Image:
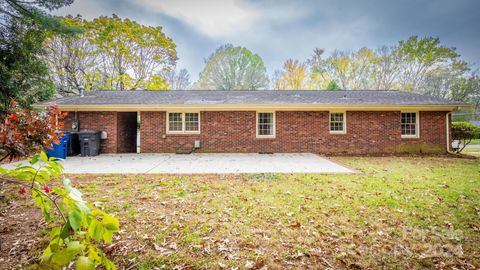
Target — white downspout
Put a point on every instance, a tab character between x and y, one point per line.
447	124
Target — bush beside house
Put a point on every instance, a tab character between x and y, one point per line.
464	133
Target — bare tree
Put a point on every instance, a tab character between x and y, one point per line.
72	60
386	68
177	80
441	81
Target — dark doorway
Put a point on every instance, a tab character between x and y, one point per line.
127	132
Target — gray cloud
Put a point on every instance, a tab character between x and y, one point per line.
291	29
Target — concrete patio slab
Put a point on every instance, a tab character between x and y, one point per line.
201	164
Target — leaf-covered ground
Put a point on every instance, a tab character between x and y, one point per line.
398	212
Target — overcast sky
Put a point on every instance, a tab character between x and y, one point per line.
278	30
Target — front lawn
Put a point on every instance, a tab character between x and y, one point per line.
400	212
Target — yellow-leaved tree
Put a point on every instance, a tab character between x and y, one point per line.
293	76
111	53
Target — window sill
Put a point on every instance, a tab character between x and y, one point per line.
182	133
338	132
410	137
265	137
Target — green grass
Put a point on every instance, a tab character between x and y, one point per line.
399	212
472	151
475	141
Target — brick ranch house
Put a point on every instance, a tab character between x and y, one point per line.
324	122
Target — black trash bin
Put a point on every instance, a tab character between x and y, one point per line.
73	145
89	143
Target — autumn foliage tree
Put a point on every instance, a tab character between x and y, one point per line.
112	53
293	76
421	65
24	132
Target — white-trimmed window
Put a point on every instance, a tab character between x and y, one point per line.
183	122
337	122
265	124
192	122
409	124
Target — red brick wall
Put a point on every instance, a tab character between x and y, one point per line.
432	133
367	132
103	121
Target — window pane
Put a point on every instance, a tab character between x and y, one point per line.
265	124
191	122
174	121
409	124
336	121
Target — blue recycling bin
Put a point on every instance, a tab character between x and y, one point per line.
60	150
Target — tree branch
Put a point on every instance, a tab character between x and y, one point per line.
15	181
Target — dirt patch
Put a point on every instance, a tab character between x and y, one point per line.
21	224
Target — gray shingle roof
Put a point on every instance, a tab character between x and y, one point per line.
210	97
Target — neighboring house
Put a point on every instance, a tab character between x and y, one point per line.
324	122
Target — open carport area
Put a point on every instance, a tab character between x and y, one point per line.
202	163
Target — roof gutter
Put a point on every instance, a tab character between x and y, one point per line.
237	107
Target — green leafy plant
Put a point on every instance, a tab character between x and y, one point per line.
464	133
82	229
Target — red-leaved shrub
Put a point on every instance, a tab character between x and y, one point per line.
24	131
